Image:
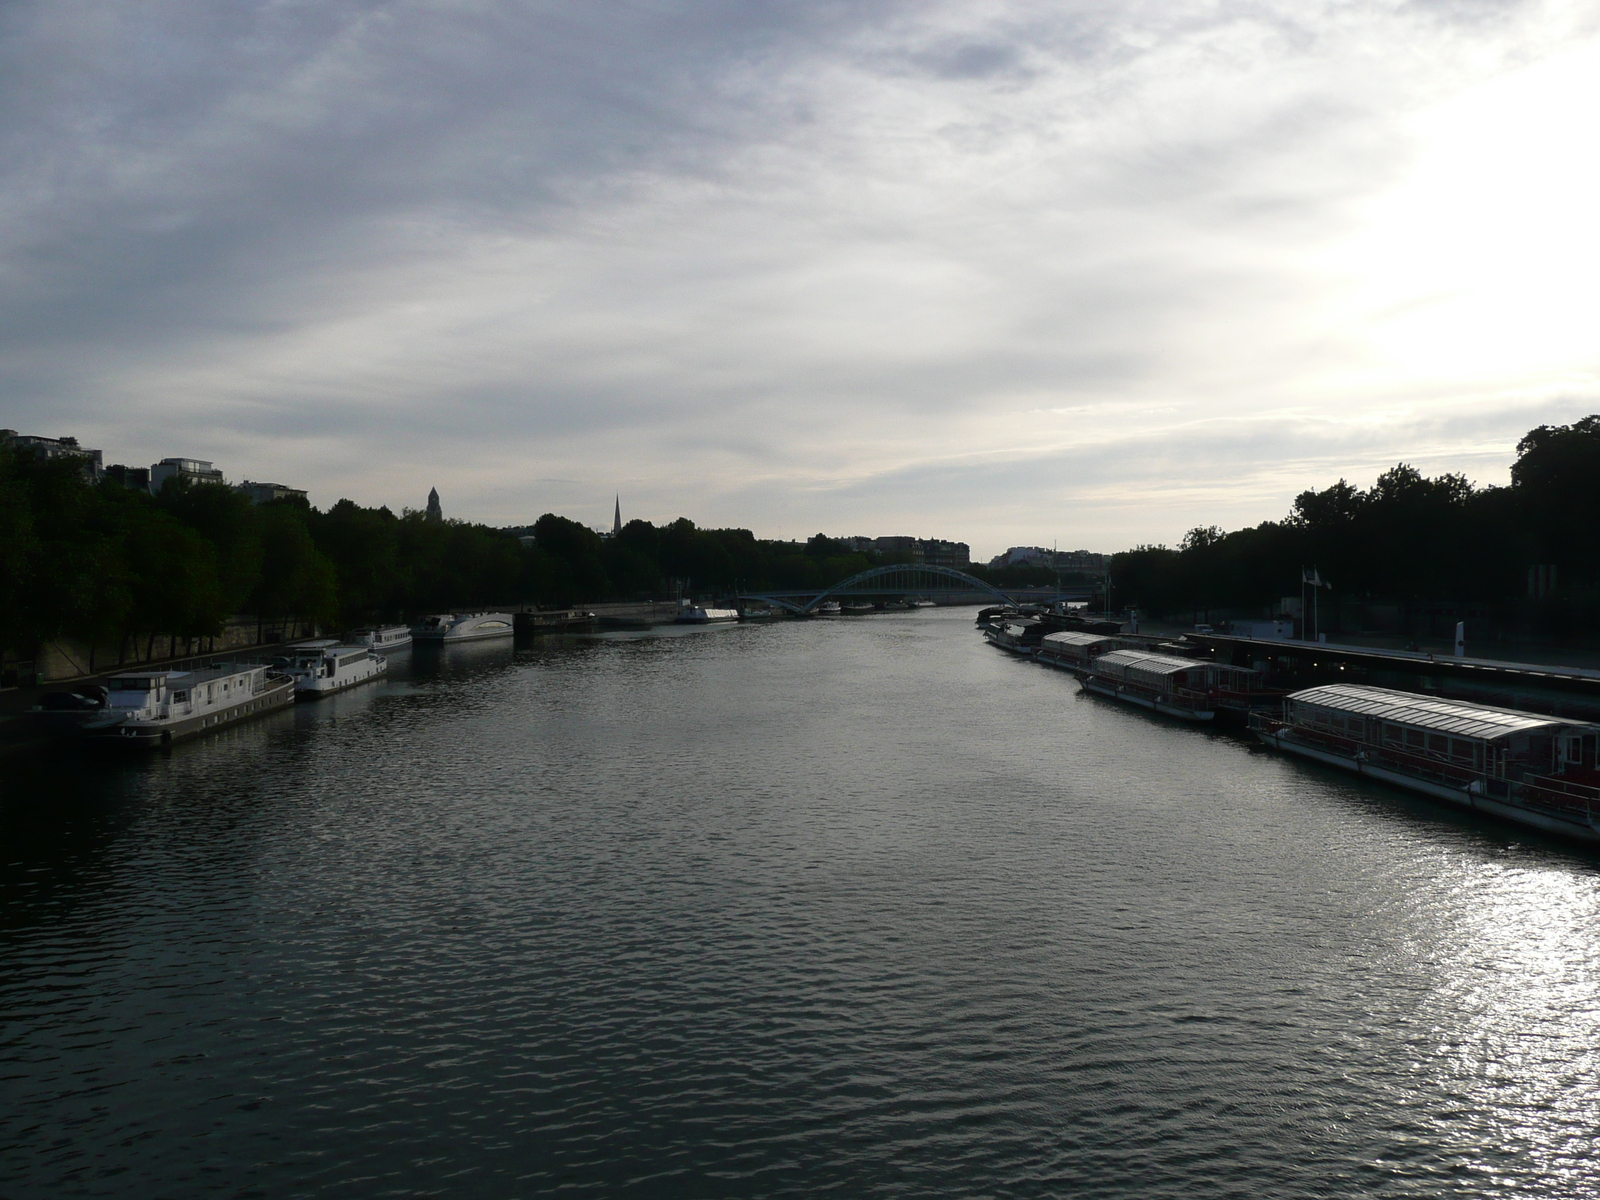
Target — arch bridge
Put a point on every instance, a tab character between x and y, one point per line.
908	581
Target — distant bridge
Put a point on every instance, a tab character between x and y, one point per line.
909	580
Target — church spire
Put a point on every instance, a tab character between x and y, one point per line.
616	521
435	512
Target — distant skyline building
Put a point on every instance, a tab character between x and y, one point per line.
195	470
134	478
62	447
935	552
1085	562
435	509
262	493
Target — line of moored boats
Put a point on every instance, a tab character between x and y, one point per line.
146	708
1531	768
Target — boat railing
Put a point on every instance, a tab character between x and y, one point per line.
1529	795
1554	783
1177	696
1422	766
1558	795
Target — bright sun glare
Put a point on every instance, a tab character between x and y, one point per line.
1483	262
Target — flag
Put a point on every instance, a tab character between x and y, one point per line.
1310	575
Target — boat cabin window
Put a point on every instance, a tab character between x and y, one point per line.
1460	750
1414	739
180	697
1393	735
133	685
1438	744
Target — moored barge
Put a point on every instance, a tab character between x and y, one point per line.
1019	635
1187	688
387	637
1525	767
325	670
156	708
1074	650
704	614
448	629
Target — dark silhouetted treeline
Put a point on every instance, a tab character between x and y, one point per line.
1406	540
112	567
109	566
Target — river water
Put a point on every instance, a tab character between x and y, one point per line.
860	907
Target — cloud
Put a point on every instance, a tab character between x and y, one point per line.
985	269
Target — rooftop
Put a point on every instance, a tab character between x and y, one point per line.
1459	717
1162	663
1073	637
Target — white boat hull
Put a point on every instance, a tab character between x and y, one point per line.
473	627
137	734
397	641
364	672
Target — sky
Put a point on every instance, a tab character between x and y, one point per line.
1070	273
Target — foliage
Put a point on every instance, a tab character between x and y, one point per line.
106	564
1406	538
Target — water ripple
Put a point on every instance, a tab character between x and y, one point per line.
857	907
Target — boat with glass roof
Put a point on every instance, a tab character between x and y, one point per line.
1190	689
1072	649
1531	768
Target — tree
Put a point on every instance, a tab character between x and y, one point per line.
225	518
298	582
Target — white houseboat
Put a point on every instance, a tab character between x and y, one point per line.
388	637
449	628
157	708
700	614
1525	767
1020	635
328	669
1187	688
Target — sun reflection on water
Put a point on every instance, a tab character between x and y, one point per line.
1509	1039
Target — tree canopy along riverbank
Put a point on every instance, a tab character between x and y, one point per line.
1529	552
107	565
111	566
